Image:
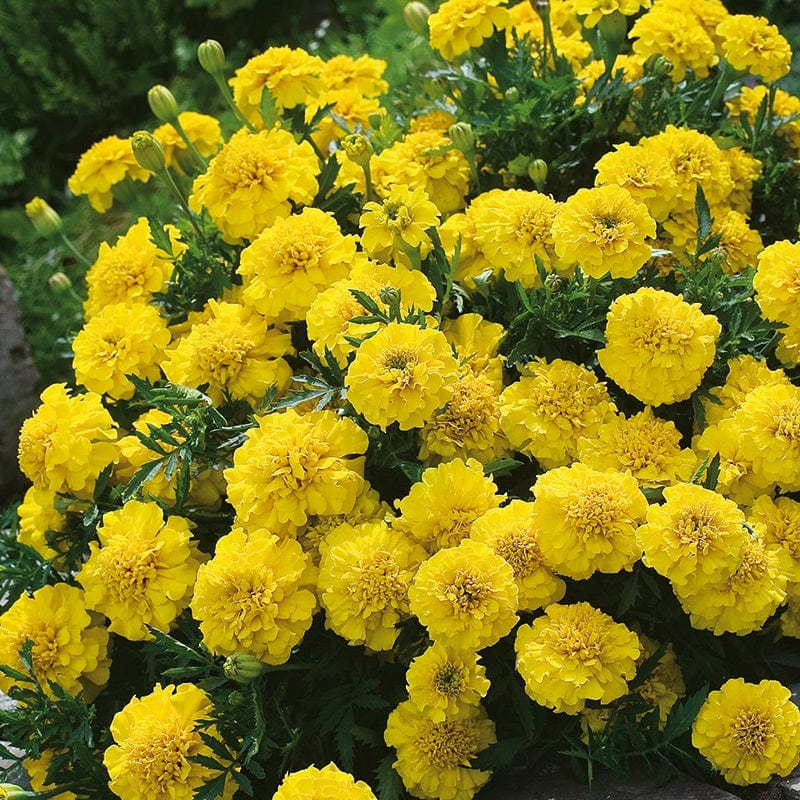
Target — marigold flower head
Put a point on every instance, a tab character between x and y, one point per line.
105	164
685	46
645	446
547	411
202	130
131	270
696	533
752	44
158	746
515	533
465	596
604	230
440	508
39	517
364	73
398	224
67	442
595	10
351	110
524	21
330	315
476	342
364	575
328	783
142	571
459	25
707	13
443	680
777	282
658	346
745	170
434	758
70	647
255	595
785	107
574	653
235	352
120	340
459	230
749	731
739	243
512	227
255	179
291	75
590	518
779	523
293	466
402	374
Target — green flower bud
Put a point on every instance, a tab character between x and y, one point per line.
537	172
416	16
211	56
10	791
242	667
390	296
358	148
44	218
512	94
462	137
162	103
147	151
553	282
613	28
59	282
658	65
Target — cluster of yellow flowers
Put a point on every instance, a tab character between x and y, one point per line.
614	483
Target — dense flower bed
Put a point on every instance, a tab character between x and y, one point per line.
414	439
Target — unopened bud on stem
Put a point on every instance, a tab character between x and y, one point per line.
162	103
44	218
211	56
416	16
242	667
147	151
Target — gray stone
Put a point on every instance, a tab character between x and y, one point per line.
18	390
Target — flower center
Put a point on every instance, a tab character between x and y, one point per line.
466	592
751	730
697	528
448	680
521	551
448	744
160	761
128	567
220	354
593	513
576	641
377	583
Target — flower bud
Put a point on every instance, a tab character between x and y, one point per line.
613	28
358	148
416	16
462	137
242	667
147	151
59	282
211	56
10	791
553	281
162	103
512	94
658	65
44	218
537	172
390	295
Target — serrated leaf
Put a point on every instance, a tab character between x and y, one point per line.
388	781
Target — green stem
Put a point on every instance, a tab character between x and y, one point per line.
74	250
368	181
719	88
182	202
228	97
198	156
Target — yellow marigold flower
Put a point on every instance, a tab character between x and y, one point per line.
459	230
291	75
749	731
524	21
235	352
511	228
573	47
105	164
120	340
156	740
67	442
203	131
590	518
425	159
658	346
443	680
131	270
604	230
399	224
696	533
465	596
769	425
644	172
350	106
752	44
575	653
779	523
294	466
69	648
255	179
440	508
256	594
742	602
37	769
785	107
433	758
694	158
745	169
292	261
468	426
206	486
402	374
330	313
39	517
476	342
777	282
142	571
645	446
685	46
707	13
459	25
363	73
664	686
595	10
364	575
788	349
547	411
328	783
515	533
437	120
740	243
